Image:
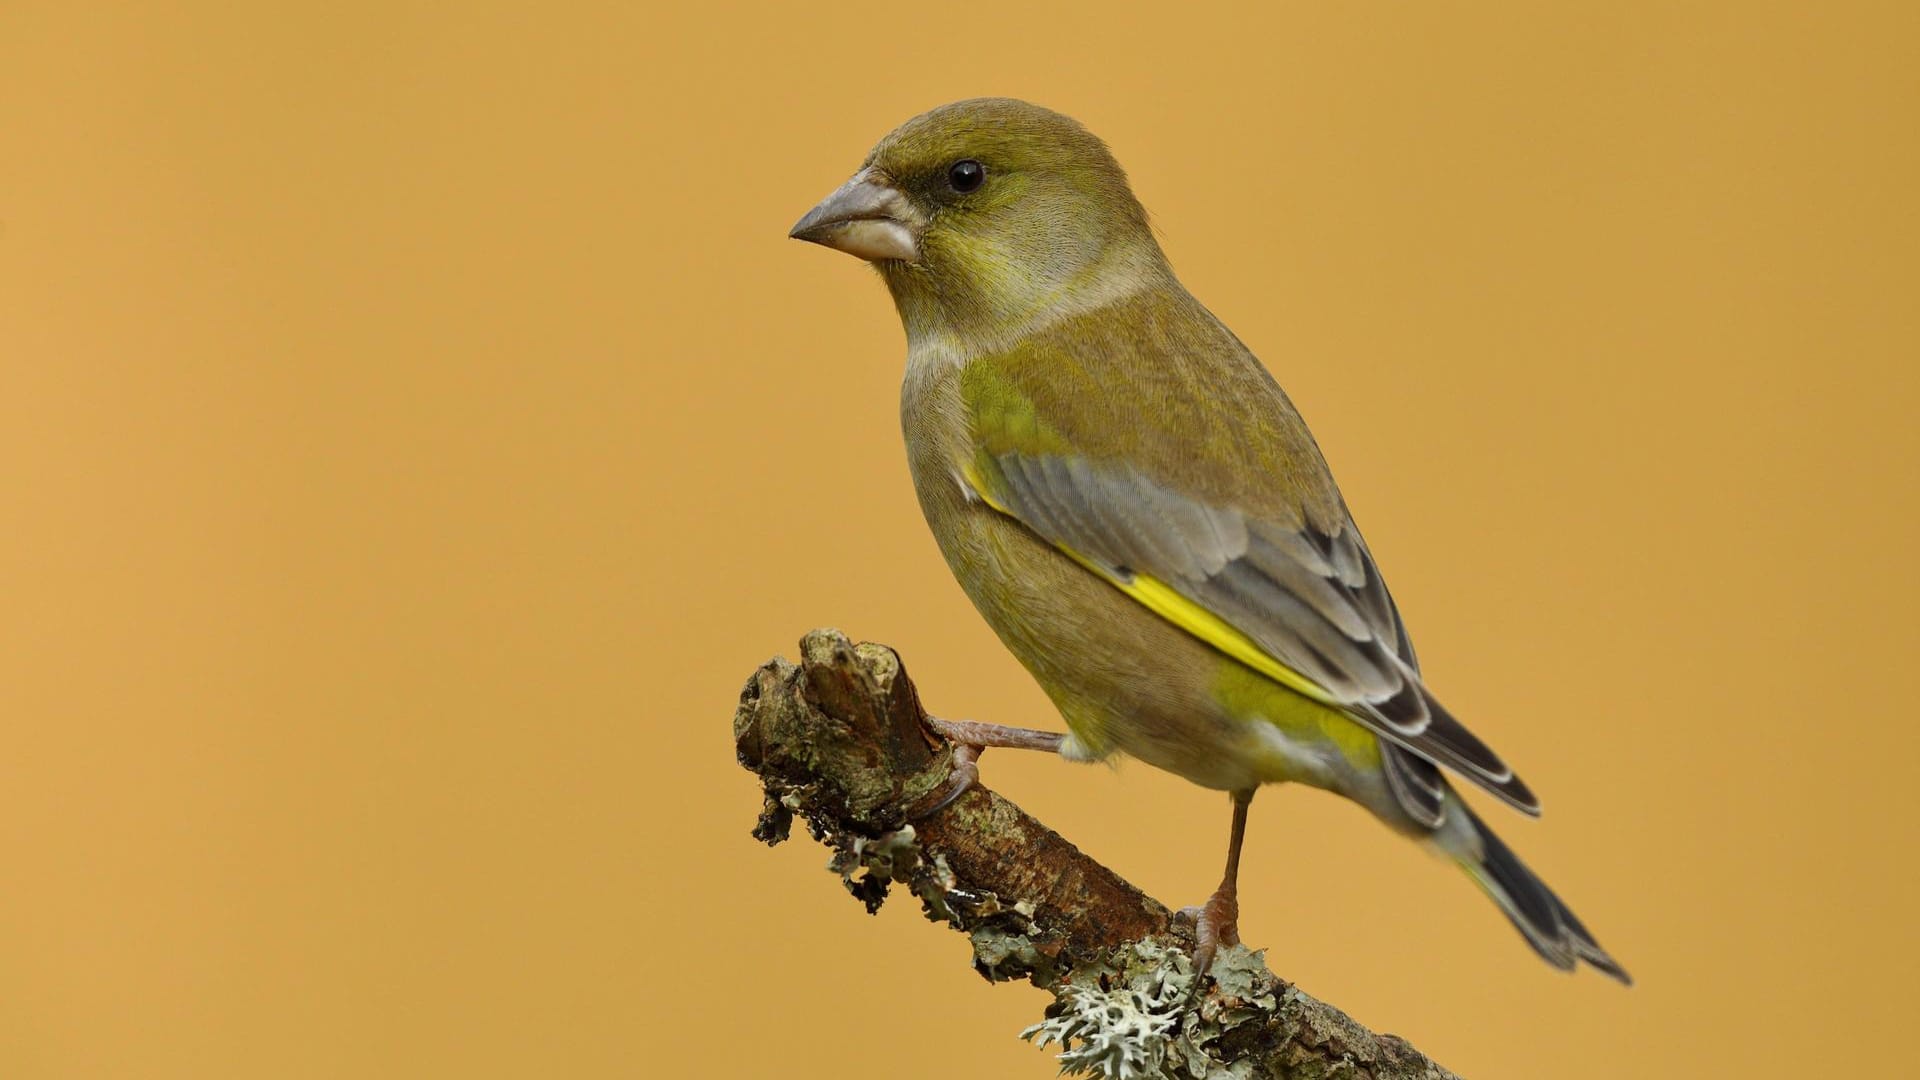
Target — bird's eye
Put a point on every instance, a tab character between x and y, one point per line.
965	176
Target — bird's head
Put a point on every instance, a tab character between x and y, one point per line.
984	215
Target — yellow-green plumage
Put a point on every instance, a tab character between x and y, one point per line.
1124	680
1135	506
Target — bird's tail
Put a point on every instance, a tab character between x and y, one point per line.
1540	916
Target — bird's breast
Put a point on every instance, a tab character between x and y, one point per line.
1121	677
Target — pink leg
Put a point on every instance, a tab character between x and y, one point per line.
1219	921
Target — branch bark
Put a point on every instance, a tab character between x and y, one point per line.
840	740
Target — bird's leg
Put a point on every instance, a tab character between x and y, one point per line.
970	738
1219	920
976	734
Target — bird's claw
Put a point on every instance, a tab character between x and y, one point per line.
964	773
1215	923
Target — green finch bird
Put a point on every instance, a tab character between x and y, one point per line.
1139	512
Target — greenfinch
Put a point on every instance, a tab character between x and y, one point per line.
1139	512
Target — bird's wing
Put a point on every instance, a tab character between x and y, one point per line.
1414	780
1296	599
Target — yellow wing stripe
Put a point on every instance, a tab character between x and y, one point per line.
1165	601
1161	599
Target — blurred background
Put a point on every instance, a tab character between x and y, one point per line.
415	426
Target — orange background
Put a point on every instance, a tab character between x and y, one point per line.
415	426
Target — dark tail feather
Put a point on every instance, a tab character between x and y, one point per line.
1549	926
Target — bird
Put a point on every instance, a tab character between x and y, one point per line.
1137	509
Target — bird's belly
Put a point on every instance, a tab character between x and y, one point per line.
1128	681
1125	680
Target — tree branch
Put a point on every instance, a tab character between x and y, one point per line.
841	741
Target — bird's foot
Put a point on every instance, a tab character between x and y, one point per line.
964	773
970	738
1215	924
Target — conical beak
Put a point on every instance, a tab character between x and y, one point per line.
867	218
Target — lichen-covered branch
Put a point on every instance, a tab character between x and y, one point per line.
840	740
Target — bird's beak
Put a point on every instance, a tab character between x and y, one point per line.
867	218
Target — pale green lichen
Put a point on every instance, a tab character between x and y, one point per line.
1119	1024
1243	992
1139	1015
880	860
894	857
1001	956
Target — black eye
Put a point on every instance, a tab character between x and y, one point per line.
965	176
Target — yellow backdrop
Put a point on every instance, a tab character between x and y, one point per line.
415	425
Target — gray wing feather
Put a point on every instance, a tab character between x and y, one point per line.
1312	598
1416	785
